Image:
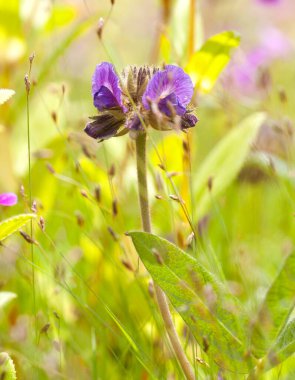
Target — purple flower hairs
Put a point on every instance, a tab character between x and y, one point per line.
8	199
141	97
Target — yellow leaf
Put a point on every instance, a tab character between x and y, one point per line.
206	65
5	94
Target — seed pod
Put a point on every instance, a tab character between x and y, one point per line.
45	328
97	193
84	193
113	234
34	207
79	218
100	28
54	116
151	288
56	315
27	84
210	183
27	237
42	223
112	171
115	207
50	168
127	264
158	256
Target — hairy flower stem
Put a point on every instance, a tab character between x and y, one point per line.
146	223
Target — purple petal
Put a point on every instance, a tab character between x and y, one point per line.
170	83
103	126
170	101
104	99
134	124
106	89
8	199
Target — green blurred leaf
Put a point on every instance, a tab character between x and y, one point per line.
74	34
275	310
178	34
206	65
212	314
11	225
284	346
225	161
165	47
6	297
9	17
7	369
5	94
61	15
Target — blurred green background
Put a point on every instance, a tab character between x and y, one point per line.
94	316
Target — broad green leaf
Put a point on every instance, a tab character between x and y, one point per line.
275	310
5	94
7	369
11	225
212	314
225	161
6	297
206	65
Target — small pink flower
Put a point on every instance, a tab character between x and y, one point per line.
8	199
269	2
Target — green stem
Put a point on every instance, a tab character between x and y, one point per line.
30	205
146	223
191	39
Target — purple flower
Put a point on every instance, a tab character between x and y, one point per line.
8	199
171	89
245	70
106	90
269	2
142	97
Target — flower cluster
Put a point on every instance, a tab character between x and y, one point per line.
141	97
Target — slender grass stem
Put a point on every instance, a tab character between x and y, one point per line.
146	223
28	85
191	39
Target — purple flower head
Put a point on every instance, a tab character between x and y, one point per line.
106	90
171	89
142	97
8	199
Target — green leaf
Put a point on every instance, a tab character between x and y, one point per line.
61	15
5	94
212	314
225	161
6	297
206	65
284	346
11	225
178	34
7	369
275	310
